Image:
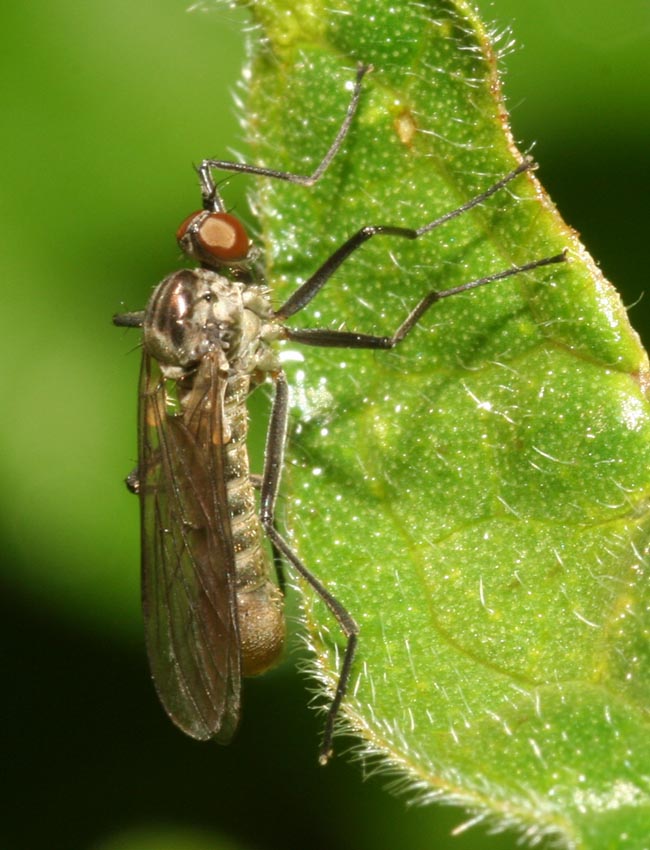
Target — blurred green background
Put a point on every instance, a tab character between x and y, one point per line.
104	110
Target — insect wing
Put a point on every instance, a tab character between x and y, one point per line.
187	552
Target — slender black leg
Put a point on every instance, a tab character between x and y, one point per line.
270	484
211	198
311	287
278	564
129	320
346	339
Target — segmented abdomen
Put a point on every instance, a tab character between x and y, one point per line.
259	602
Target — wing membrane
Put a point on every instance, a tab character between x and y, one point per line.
187	551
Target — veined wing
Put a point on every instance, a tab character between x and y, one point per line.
188	565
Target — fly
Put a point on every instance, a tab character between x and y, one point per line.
212	611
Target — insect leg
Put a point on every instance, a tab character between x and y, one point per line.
256	481
129	320
211	198
270	484
346	339
132	481
311	287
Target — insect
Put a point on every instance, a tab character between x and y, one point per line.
212	611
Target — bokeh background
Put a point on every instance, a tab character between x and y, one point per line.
104	109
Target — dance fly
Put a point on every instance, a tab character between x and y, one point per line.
212	610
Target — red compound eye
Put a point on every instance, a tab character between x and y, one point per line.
185	225
217	236
223	236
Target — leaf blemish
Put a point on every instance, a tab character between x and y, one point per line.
405	127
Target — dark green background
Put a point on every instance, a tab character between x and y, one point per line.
104	109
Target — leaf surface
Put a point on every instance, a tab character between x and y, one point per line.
477	498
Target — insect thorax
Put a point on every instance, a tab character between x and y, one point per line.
193	312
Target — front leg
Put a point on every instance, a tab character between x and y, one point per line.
129	320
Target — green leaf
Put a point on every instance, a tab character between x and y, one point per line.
477	497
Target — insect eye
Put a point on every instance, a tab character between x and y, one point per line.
184	226
213	236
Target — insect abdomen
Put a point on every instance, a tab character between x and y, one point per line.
259	602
